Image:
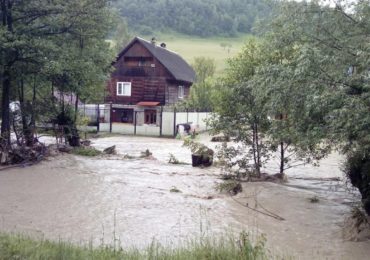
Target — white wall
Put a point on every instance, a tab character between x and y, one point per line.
120	128
167	124
148	130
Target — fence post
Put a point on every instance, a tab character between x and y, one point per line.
174	122
207	121
135	122
98	119
161	122
187	115
110	118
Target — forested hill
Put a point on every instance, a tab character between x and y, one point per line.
194	17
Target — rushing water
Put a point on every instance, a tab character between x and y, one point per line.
110	199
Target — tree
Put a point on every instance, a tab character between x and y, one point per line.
201	93
204	68
241	113
41	43
333	70
121	36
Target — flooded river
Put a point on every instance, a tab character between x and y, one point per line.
111	199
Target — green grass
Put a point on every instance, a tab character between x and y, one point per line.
20	247
190	47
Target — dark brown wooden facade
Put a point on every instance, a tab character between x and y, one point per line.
155	74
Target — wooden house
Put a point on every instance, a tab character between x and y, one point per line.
146	77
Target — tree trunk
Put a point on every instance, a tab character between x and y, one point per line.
5	111
25	114
282	158
256	150
258	146
76	108
5	145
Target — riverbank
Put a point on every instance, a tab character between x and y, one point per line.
227	248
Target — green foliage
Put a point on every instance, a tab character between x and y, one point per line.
49	46
198	148
227	247
121	36
204	68
230	186
174	160
175	190
194	17
241	110
201	96
201	93
327	73
86	151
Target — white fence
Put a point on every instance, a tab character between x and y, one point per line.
167	121
167	127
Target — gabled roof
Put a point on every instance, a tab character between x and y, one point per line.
172	61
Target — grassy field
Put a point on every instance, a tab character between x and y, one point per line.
19	247
217	48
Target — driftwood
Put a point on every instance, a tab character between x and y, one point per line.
21	156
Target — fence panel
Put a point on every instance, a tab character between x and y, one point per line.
144	121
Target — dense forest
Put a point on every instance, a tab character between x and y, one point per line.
194	17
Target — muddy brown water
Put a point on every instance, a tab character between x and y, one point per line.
129	201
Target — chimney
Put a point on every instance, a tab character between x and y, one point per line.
163	45
154	40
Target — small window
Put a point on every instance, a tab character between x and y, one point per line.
124	89
181	91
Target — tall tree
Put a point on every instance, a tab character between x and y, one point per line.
333	70
35	35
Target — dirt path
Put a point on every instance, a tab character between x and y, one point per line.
85	199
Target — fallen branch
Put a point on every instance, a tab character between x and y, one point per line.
267	213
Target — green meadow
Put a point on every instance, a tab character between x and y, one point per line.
189	47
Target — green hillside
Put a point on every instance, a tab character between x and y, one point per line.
204	18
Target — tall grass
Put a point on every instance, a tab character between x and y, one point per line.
227	247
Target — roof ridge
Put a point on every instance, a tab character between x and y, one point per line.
158	46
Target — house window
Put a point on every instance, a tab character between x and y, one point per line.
150	116
181	91
124	89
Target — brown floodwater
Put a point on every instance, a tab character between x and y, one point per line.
110	199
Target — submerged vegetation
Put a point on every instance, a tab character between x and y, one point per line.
86	151
228	247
